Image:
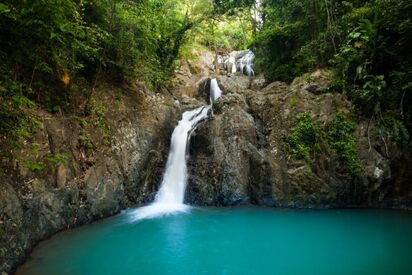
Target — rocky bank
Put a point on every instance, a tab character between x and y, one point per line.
84	166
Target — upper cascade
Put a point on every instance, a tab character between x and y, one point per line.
241	61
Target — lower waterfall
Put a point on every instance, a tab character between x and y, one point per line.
170	196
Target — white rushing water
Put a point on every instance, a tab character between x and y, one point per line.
241	61
170	196
232	60
256	12
215	91
246	62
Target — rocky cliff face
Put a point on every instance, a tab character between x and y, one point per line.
84	167
241	155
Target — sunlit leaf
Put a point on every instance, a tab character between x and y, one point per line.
65	78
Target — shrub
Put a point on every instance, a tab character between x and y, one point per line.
307	137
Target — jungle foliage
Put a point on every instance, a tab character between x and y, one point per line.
49	48
226	26
366	42
308	138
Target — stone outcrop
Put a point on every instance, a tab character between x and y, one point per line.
221	157
240	155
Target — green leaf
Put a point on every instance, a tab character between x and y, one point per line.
21	100
4	8
355	34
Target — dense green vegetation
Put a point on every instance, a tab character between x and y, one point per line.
224	26
221	33
308	138
302	137
53	51
367	42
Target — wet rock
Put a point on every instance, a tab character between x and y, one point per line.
10	205
229	102
234	83
275	87
258	82
61	176
240	156
219	166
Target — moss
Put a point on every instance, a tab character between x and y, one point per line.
393	129
309	78
32	158
295	100
302	137
33	165
84	139
118	97
340	133
18	117
57	159
308	137
100	122
94	115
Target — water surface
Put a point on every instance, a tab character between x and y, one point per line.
234	241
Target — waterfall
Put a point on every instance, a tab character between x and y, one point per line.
172	189
246	62
232	60
242	61
256	12
215	91
170	196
